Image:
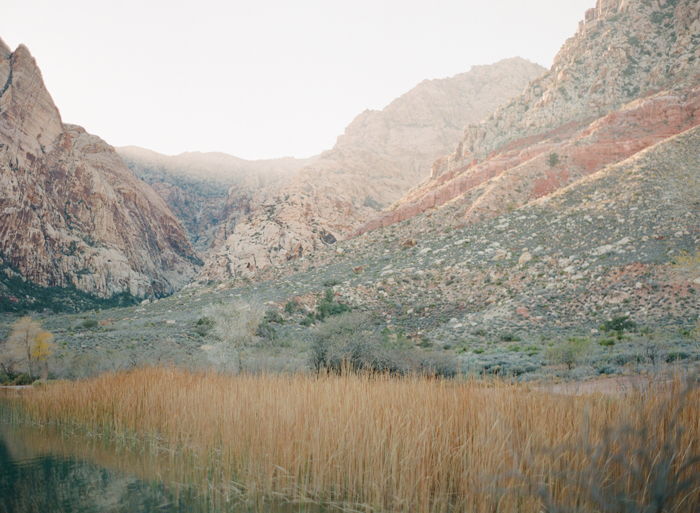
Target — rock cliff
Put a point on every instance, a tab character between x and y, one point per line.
71	212
381	156
626	80
196	187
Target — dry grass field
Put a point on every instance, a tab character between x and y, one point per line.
379	443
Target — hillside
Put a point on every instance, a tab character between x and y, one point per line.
495	296
381	156
628	79
72	215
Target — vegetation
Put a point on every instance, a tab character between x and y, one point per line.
379	443
571	352
236	326
27	346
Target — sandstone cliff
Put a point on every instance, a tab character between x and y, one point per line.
381	156
71	212
196	187
626	80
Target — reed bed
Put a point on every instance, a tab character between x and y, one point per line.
380	443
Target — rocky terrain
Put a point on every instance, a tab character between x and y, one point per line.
72	215
208	192
626	80
381	156
497	296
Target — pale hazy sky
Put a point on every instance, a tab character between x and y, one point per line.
263	78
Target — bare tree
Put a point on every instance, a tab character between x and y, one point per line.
236	326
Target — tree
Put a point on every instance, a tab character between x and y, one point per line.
235	325
28	342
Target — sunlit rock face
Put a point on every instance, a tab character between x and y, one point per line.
71	212
381	156
628	79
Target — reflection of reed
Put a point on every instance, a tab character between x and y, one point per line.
395	444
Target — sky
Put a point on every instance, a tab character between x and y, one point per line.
263	78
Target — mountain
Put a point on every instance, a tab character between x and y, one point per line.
628	79
71	213
381	156
196	187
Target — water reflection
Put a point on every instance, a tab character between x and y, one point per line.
43	469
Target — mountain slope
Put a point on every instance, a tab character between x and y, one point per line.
380	156
71	212
626	80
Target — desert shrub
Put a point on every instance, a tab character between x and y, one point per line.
607	342
328	307
570	353
308	320
22	379
509	337
273	316
203	326
553	159
675	356
89	324
291	306
607	369
266	331
351	343
331	282
619	324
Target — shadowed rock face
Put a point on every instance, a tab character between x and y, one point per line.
628	79
71	212
379	158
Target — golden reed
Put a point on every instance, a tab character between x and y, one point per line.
379	443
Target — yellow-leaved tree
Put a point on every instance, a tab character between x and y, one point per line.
28	343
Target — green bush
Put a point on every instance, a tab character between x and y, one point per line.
204	326
619	324
291	306
327	307
553	159
607	342
308	320
89	324
273	316
22	379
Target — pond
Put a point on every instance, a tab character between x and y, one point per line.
44	469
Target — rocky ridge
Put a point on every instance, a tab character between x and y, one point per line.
628	79
209	192
381	155
71	212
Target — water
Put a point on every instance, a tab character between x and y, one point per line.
45	470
